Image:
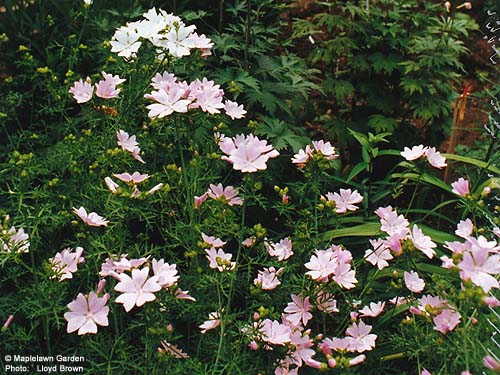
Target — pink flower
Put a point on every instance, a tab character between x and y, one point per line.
212	322
303	156
112	268
183	294
82	91
107	88
435	159
65	262
227	194
8	322
273	332
92	219
464	228
112	186
321	265
392	223
361	339
460	187
167	274
422	242
198	201
100	286
380	255
326	303
491	363
282	250
203	43
491	301
398	301
344	276
14	240
425	372
206	95
248	242
446	321
333	262
134	178
414	153
212	241
155	188
373	310
220	260
302	352
126	142
129	143
357	360
345	201
413	282
298	310
268	278
247	153
167	102
234	110
478	266
138	289
163	81
325	149
86	312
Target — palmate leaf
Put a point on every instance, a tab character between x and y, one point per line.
280	134
381	62
340	88
380	123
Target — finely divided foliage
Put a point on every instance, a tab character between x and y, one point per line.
327	272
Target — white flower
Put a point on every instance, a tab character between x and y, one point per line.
414	153
178	42
125	42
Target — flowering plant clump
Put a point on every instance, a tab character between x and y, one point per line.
194	241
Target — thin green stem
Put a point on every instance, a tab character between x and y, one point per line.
414	193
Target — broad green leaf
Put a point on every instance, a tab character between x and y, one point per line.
358	168
425	177
363	230
477	163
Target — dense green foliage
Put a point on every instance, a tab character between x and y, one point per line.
372	82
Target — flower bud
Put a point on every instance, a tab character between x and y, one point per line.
100	286
7	322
